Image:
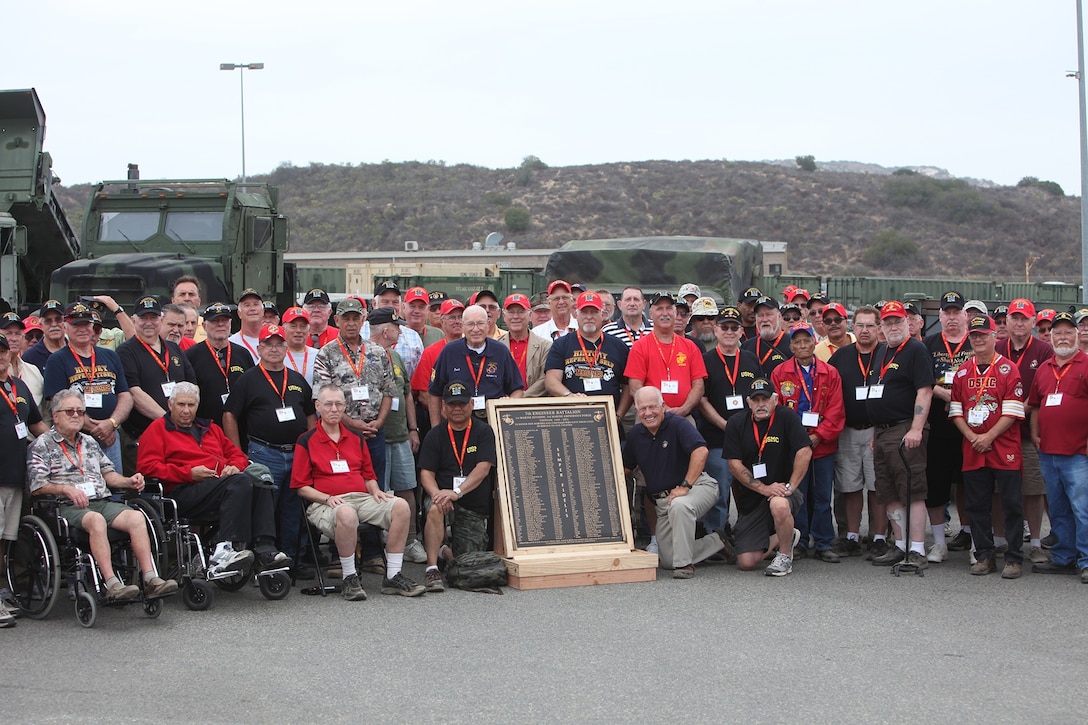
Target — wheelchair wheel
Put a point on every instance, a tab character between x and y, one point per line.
86	608
234	582
156	532
275	586
197	595
153	607
34	568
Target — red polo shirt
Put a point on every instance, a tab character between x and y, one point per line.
313	463
1063	428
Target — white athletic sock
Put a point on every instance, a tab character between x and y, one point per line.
880	537
938	533
901	545
1036	542
432	568
918	546
852	536
393	564
347	564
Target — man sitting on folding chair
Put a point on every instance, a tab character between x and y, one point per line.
332	471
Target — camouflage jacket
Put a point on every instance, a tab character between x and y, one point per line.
374	372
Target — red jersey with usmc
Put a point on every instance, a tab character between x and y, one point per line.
982	395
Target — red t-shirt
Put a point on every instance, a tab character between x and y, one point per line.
313	463
993	394
1035	353
1063	427
652	362
421	378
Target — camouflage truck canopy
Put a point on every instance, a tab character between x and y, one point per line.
721	267
127	277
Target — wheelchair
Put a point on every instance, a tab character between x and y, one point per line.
187	557
50	555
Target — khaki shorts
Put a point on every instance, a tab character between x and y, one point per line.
369	510
11	505
854	461
109	510
1032	476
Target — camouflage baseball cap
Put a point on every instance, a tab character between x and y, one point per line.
689	289
350	304
540	301
704	307
216	310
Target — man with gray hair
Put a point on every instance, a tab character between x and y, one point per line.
207	475
671	455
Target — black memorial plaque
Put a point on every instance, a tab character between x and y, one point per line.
560	474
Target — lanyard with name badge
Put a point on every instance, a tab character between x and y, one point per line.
86	486
590	385
459	481
168	386
358	392
734	401
861	392
877	391
90	400
774	347
478	402
225	370
759	469
1055	398
668	385
810	418
950	374
20	426
978	414
339	465
285	413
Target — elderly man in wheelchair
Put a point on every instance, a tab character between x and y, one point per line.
68	463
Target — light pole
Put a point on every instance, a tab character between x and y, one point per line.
242	68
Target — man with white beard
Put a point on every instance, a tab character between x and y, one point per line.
771	345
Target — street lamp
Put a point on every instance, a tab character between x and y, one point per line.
242	67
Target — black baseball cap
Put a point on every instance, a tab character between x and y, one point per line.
750	295
216	310
384	315
250	292
317	295
148	304
271	307
761	387
78	312
766	301
386	286
10	318
952	299
457	392
436	298
657	297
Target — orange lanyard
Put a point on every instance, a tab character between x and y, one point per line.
762	441
524	354
464	446
294	363
256	355
87	373
736	368
759	339
672	355
887	363
280	393
79	450
155	356
476	374
865	369
357	369
948	348
985	379
12	401
1061	374
804	388
585	353
215	356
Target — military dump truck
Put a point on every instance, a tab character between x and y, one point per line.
721	267
35	235
139	236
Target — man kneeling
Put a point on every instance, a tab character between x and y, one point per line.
67	462
332	470
768	451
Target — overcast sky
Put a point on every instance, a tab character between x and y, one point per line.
974	86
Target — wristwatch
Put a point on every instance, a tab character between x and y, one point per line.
457	490
118	311
789	487
685	484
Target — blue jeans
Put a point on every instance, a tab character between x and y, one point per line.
288	504
718	469
114	452
1066	479
818	487
376	446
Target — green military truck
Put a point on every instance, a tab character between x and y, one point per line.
35	235
141	235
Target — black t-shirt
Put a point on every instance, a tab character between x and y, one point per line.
254	401
908	371
769	355
436	454
13	447
208	369
567	357
939	422
719	389
144	369
856	374
662	456
784	438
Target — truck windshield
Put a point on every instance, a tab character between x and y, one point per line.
194	226
127	226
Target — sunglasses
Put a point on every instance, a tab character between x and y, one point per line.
728	327
791	318
832	320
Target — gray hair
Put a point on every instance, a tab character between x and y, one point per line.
658	399
63	395
171	307
185	388
329	386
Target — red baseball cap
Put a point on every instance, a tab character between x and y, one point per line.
589	299
798	292
558	283
295	313
1046	315
417	293
33	322
1022	307
450	305
271	331
834	307
787	294
893	308
517	299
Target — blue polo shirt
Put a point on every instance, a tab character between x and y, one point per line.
662	456
495	369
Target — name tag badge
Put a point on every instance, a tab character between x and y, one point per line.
92	400
395	405
1054	399
759	470
479	402
810	419
224	397
948	376
670	387
360	392
284	415
168	388
876	392
861	392
88	488
459	481
733	402
976	417
591	385
339	466
20	430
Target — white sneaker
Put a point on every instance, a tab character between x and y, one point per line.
415	553
651	548
226	559
937	553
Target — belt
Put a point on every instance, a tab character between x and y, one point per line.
886	426
860	427
282	447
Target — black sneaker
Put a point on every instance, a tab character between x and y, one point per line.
960	542
827	555
1049	540
1049	567
403	586
847	547
273	561
892	556
878	548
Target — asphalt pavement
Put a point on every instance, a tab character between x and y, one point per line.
829	643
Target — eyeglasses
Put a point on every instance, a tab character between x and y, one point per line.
74	412
490	308
813	313
475	324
